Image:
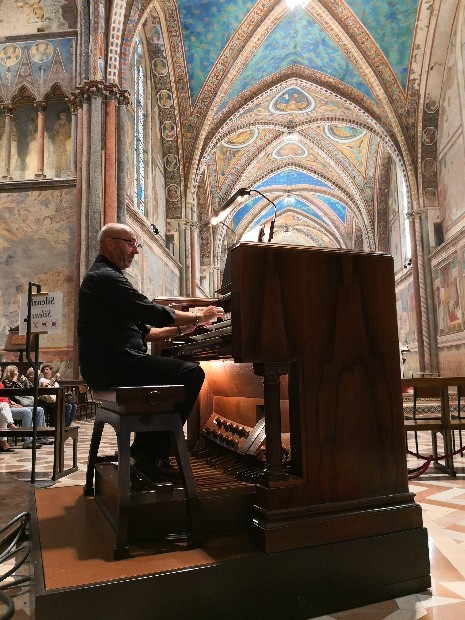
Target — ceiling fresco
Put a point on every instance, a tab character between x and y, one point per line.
301	104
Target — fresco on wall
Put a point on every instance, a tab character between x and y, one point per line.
58	140
395	248
406	319
31	16
447	297
37	65
23	163
44	223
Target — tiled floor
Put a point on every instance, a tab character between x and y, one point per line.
442	499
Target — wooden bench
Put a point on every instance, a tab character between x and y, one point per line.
128	410
60	432
439	390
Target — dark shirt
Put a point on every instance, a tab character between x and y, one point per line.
114	317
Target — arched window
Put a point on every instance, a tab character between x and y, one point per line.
139	129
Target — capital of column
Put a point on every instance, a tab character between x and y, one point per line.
123	98
74	103
40	105
91	89
8	108
411	215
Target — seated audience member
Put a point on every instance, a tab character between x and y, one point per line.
13	411
6	421
48	379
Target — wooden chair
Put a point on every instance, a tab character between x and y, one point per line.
85	404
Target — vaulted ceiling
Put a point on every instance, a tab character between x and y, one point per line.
307	105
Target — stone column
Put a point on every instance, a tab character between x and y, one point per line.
96	93
83	178
74	122
193	265
418	269
6	176
121	161
183	257
109	209
40	139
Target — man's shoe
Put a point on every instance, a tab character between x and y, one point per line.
44	441
167	471
148	469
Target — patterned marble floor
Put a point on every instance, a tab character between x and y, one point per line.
442	499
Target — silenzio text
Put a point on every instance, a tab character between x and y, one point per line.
48	301
43	314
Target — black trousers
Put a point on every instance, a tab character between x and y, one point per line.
134	369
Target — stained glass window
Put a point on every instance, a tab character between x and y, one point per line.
139	129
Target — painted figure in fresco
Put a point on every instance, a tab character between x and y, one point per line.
172	193
9	54
168	130
165	99
26	135
160	67
171	162
41	52
61	137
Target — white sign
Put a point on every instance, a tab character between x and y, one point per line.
46	313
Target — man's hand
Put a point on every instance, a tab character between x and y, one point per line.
209	314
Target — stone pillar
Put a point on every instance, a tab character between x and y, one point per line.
6	176
419	290
84	177
183	256
121	161
109	210
193	265
96	93
40	139
74	122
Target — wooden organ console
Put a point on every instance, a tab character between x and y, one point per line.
303	399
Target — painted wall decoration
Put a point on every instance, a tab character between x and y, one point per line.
401	16
20	17
44	223
290	177
316	50
293	100
241	139
290	149
58	140
449	302
172	193
38	65
24	142
171	162
406	319
207	26
160	66
352	142
168	130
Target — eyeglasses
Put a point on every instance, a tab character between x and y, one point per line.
130	242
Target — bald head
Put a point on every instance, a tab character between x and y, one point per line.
114	230
118	243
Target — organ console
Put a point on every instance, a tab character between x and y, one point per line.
302	398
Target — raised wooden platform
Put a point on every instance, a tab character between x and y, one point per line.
227	578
